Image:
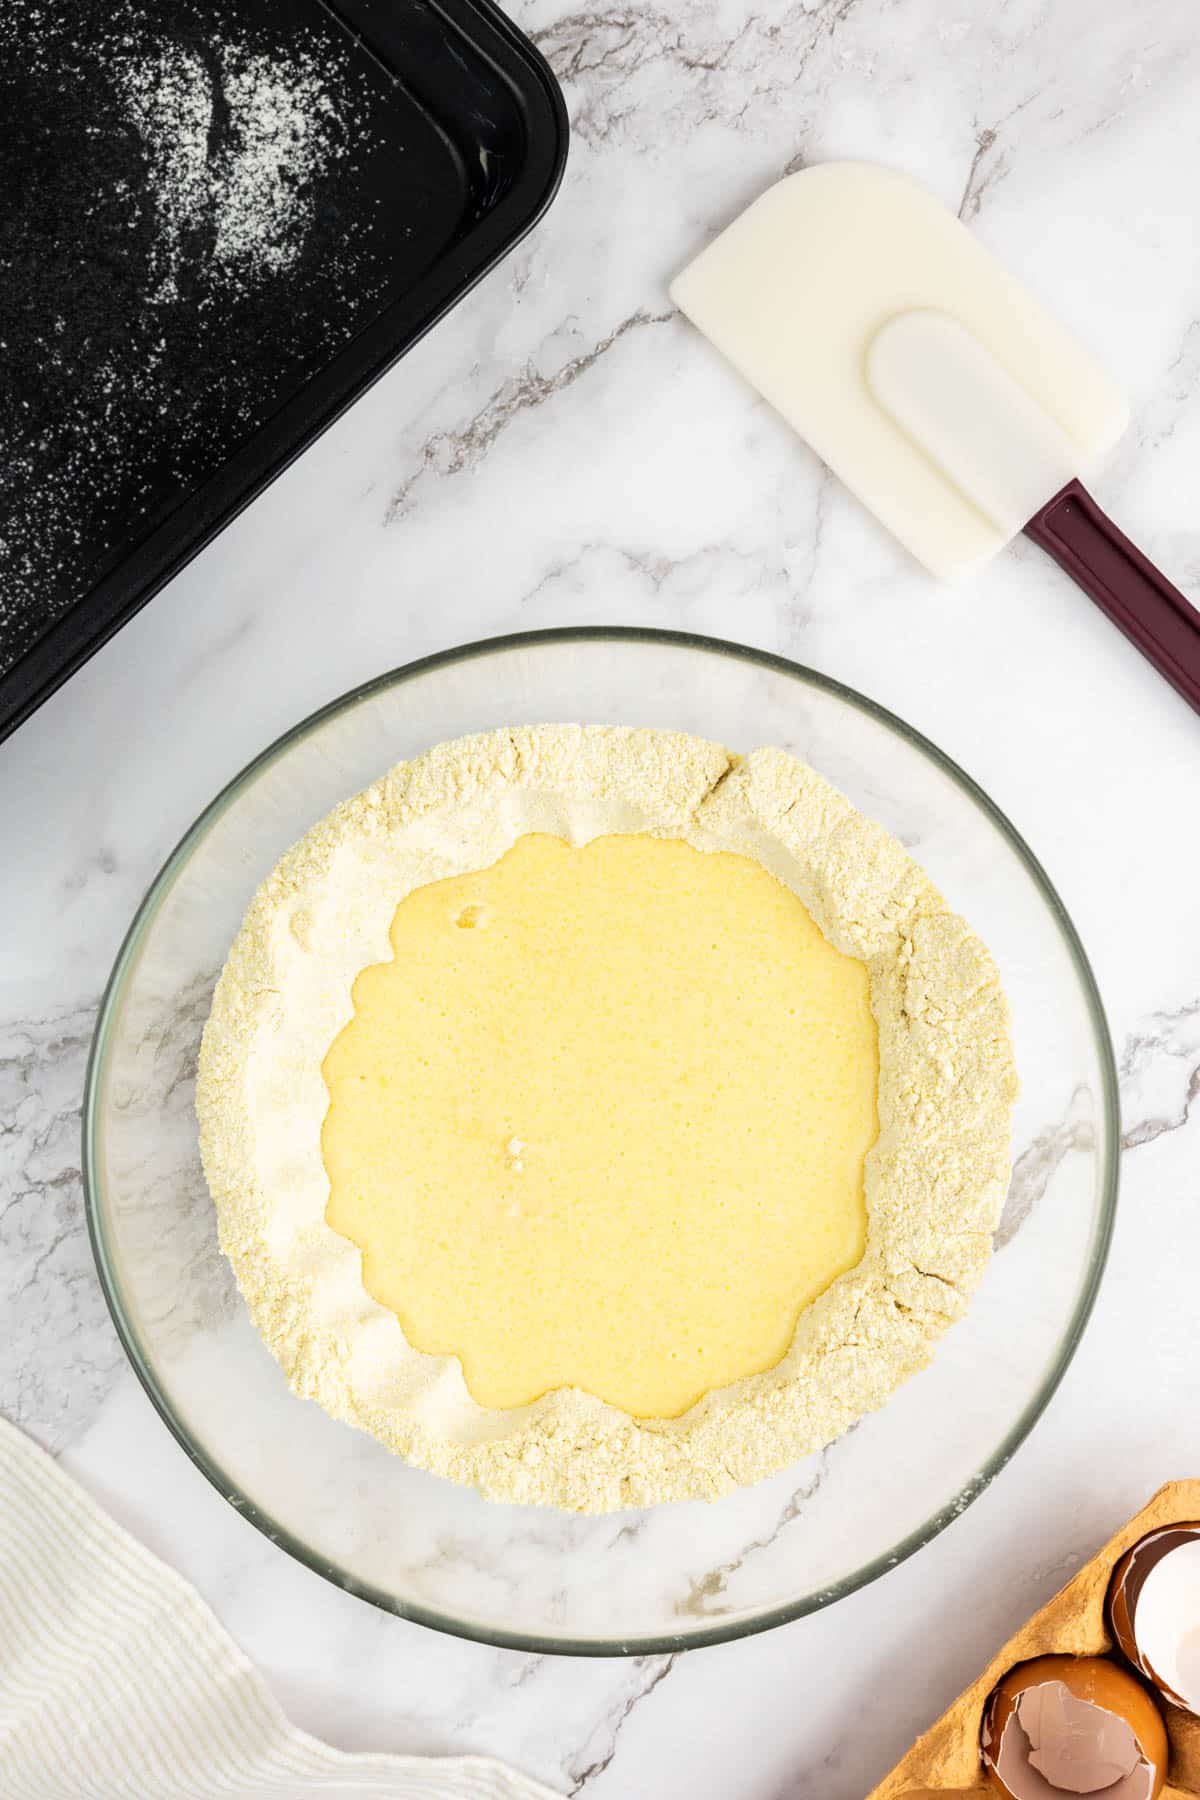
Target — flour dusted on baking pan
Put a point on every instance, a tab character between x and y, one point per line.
234	142
188	227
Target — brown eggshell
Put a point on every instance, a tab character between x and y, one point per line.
1092	1678
1129	1577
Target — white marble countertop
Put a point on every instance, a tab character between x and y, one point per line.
563	449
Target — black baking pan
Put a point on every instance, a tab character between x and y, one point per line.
220	221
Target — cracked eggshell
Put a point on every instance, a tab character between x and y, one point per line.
1154	1611
1097	1683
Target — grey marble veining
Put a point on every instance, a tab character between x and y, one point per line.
563	450
61	1356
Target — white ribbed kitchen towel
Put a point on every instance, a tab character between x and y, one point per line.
117	1683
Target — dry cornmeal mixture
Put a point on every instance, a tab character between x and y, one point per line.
602	1119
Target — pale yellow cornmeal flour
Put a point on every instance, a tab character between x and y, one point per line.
349	1076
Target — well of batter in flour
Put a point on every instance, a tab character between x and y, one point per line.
600	1118
601	1121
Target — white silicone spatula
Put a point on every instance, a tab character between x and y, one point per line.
952	404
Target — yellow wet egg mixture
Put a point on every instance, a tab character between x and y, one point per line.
600	1118
601	1121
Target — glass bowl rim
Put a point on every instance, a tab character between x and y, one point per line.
541	1643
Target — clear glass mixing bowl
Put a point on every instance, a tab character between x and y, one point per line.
528	1577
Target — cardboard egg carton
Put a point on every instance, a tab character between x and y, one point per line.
945	1763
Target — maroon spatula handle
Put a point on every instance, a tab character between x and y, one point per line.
1123	583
